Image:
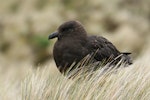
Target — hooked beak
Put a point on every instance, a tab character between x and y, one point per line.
53	35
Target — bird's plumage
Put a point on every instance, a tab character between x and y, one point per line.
74	44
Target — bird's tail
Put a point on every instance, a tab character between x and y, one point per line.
124	58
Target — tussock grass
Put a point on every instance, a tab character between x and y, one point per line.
130	83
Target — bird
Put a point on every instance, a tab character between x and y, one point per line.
74	44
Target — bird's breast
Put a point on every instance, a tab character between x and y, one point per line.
69	52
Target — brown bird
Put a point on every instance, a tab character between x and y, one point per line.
73	44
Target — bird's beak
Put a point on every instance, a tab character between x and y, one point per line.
53	35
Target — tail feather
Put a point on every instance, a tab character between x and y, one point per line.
126	58
126	53
122	58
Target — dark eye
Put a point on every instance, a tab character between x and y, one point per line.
70	30
64	29
67	29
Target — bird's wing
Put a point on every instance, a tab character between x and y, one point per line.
102	48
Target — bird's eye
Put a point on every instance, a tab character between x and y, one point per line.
64	29
67	29
70	30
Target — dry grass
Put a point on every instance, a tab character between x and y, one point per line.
130	83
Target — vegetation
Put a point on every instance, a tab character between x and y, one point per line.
130	83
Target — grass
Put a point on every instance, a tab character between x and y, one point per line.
46	83
130	83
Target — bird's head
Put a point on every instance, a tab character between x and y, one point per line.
69	29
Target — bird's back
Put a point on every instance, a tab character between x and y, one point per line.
105	52
102	48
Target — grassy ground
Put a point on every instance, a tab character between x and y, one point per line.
46	83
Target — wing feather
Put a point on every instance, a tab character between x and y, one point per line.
102	48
